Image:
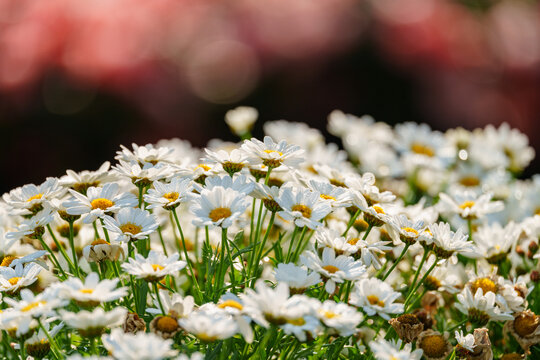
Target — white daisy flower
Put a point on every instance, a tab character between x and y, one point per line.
267	305
294	133
304	207
13	261
376	297
33	227
93	323
99	201
272	154
302	326
513	143
131	224
336	196
407	230
12	279
30	198
296	277
239	184
340	317
17	324
218	207
234	306
231	162
145	154
333	269
465	341
365	184
479	307
155	267
36	306
91	291
143	175
169	195
421	146
209	325
241	119
81	181
174	305
38	344
139	346
446	243
385	350
469	205
268	195
494	241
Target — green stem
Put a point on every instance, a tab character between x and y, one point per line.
53	257
73	251
299	246
424	257
159	298
162	241
421	281
397	261
225	240
289	252
259	254
54	346
351	222
62	251
188	260
368	230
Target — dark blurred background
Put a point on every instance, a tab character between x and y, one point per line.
79	79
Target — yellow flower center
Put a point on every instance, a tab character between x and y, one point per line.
329	314
172	196
99	242
378	209
204	167
303	209
87	291
14	280
327	197
466	204
297	322
157	267
331	269
167	324
101	203
273	151
485	284
207	338
131	228
219	213
7	260
353	241
230	303
411	230
469	181
422	149
35	197
537	211
33	305
374	300
434	346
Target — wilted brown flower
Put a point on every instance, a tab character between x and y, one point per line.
407	327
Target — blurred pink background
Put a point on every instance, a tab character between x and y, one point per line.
79	78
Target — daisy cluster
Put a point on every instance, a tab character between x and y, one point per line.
407	244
